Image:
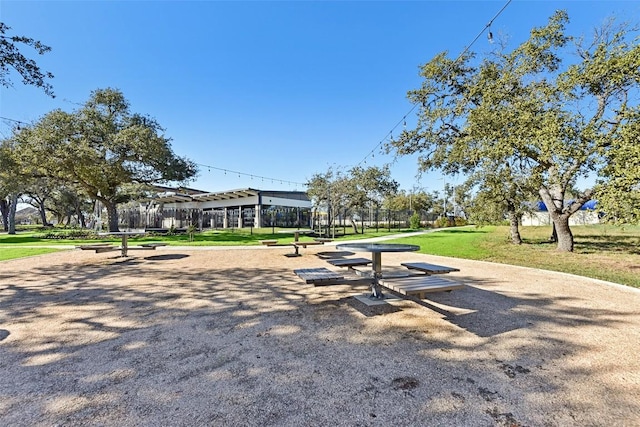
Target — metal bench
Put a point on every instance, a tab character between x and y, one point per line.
298	245
318	276
420	285
333	254
98	247
153	245
429	268
349	262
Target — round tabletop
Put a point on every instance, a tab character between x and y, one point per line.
378	247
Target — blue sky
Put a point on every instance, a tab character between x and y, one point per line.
280	90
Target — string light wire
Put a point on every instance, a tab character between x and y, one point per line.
252	175
403	121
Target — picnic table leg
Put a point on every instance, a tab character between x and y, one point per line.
124	245
376	290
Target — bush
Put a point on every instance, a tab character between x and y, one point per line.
58	234
442	222
414	221
459	221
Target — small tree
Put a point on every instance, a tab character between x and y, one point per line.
414	220
370	186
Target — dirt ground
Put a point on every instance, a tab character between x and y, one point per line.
231	337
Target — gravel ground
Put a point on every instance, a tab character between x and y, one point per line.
184	337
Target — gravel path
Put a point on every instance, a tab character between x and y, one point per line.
231	337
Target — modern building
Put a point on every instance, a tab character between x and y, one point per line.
588	214
240	208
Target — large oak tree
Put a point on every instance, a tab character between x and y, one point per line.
103	149
550	115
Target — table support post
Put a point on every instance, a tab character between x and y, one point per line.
124	245
376	290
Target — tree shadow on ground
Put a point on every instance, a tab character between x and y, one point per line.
138	340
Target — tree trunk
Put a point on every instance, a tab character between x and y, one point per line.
4	211
13	205
43	213
565	237
354	225
554	234
82	219
553	199
112	214
514	230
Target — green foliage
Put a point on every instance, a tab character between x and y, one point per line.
191	230
11	57
370	186
520	124
418	200
619	195
104	149
459	221
414	221
64	234
441	222
336	192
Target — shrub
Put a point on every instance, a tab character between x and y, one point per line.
442	222
459	221
414	221
57	234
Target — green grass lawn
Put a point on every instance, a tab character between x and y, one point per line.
602	252
12	253
232	237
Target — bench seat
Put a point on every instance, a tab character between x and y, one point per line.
107	249
153	245
270	242
298	245
349	262
323	239
420	285
305	244
333	254
93	245
429	268
99	247
318	275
